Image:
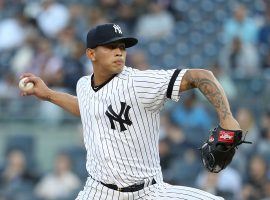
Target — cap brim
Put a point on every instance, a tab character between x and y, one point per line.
128	41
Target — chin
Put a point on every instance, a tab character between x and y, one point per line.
118	68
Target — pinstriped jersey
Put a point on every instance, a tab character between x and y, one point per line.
121	123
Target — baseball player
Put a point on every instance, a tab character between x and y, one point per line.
120	108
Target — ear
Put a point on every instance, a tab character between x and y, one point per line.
90	53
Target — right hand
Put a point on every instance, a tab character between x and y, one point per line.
40	89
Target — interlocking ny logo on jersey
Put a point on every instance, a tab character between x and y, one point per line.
113	117
117	29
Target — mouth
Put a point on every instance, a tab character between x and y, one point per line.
119	62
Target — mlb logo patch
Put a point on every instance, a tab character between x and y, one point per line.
226	136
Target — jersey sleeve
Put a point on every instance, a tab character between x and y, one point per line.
81	88
153	87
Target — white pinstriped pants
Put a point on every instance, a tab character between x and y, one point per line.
160	191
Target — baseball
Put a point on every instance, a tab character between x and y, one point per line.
25	86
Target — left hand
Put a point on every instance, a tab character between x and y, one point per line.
218	151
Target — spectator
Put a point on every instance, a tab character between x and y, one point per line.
247	123
227	183
184	168
256	179
12	33
140	6
208	182
265	121
240	59
177	139
47	64
138	60
264	35
171	141
10	8
24	55
225	80
59	184
66	39
266	190
126	18
156	24
109	7
264	145
240	26
179	161
78	21
96	16
8	87
53	18
73	68
165	154
191	115
266	64
2	9
16	181
264	43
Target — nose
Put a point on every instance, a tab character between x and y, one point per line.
118	51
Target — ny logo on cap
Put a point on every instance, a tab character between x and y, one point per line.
117	29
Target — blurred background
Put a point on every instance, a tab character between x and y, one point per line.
42	155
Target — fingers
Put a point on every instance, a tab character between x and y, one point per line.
26	75
23	94
33	79
29	77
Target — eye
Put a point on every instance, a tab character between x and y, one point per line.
116	45
122	47
111	46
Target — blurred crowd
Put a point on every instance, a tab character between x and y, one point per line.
231	38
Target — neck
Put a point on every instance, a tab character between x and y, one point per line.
99	79
101	75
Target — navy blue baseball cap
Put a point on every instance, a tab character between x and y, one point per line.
106	34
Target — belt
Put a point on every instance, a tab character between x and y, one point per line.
132	188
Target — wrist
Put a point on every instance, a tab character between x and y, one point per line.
49	96
229	123
224	121
224	116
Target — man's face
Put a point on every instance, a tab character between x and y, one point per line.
240	13
111	57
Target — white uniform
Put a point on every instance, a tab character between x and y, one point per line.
121	132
